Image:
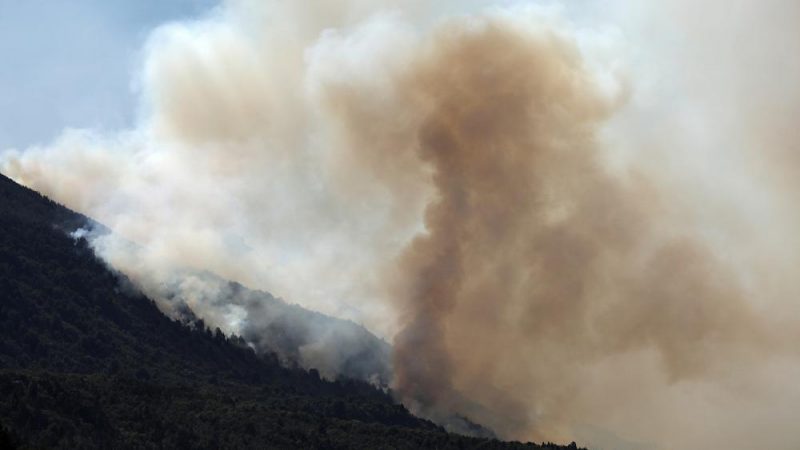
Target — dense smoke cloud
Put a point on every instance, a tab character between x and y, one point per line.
521	202
534	255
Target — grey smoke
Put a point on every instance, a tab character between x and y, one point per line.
335	347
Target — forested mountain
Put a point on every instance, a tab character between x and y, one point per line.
87	362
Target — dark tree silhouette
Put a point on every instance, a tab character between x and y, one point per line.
85	363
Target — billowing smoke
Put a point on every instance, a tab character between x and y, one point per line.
533	254
568	231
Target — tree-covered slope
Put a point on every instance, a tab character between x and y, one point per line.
87	362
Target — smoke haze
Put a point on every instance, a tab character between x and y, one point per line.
573	223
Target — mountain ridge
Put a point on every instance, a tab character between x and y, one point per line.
85	363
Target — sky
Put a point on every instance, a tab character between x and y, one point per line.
71	63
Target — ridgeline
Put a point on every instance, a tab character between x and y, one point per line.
88	362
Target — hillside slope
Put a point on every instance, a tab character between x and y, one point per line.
87	362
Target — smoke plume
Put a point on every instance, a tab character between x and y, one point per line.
568	230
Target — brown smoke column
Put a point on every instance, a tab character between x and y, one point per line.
533	257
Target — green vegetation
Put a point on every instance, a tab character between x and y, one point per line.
87	362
